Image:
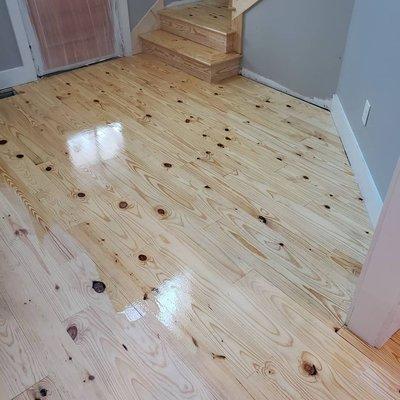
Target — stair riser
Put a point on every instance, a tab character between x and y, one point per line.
221	42
225	70
214	73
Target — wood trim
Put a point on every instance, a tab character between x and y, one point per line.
123	19
369	191
149	22
375	312
254	76
16	76
26	72
237	27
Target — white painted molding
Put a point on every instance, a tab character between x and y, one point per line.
26	72
123	18
324	103
15	76
374	314
369	191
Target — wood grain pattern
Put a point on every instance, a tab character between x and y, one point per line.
203	22
42	389
223	220
198	38
18	365
198	34
212	15
196	59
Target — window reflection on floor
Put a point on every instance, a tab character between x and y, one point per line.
96	145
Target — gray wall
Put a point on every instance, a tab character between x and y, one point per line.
371	70
137	10
298	43
9	53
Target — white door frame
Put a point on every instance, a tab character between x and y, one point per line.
123	18
374	315
26	72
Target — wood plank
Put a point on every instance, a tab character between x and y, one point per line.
201	61
45	388
191	253
212	15
159	372
19	366
294	330
187	48
205	22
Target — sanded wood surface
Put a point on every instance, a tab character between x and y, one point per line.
215	17
198	38
163	238
218	40
201	61
188	48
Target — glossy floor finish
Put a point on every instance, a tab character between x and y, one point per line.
165	238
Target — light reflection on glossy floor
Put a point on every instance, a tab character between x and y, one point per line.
224	221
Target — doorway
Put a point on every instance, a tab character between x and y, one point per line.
65	34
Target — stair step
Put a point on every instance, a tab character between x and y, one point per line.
207	64
203	23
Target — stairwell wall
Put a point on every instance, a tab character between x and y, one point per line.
297	46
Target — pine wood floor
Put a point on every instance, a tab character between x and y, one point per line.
165	238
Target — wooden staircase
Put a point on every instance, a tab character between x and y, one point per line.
198	38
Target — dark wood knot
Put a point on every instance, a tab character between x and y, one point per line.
98	286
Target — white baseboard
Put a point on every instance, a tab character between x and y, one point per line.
16	76
324	103
369	191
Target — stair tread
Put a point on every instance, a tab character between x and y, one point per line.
188	48
204	14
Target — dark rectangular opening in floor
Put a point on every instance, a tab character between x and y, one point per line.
8	92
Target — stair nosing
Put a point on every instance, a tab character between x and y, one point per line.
231	32
208	64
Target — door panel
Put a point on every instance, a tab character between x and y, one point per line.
70	33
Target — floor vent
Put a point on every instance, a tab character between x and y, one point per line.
8	92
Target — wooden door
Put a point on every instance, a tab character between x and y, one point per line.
71	33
